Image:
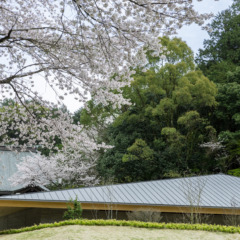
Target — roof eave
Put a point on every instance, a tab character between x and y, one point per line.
119	207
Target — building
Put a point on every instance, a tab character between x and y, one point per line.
8	166
216	195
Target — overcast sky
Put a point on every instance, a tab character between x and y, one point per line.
193	34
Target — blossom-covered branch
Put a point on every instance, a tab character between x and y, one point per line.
78	45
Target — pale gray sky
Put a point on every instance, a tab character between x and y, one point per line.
193	34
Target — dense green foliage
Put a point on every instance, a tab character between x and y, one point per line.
220	62
179	226
73	212
183	121
221	52
160	134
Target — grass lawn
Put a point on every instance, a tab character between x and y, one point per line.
116	232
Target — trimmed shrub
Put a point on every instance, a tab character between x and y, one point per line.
100	222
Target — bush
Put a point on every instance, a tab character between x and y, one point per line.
74	212
234	172
100	222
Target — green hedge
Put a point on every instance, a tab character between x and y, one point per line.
179	226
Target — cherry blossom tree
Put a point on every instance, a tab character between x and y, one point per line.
70	167
76	46
73	162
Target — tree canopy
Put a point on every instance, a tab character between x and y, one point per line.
220	61
221	52
75	47
96	48
160	134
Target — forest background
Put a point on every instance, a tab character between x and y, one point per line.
184	117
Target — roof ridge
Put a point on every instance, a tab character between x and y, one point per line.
119	184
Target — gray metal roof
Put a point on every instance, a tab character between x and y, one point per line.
207	191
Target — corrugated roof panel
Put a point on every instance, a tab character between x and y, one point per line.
16	196
157	192
160	194
121	195
94	194
44	196
141	196
202	187
101	196
181	192
148	192
189	194
38	196
62	196
98	193
133	191
230	190
227	185
221	193
163	192
55	195
226	188
216	196
215	191
71	194
207	197
127	193
76	193
84	195
110	195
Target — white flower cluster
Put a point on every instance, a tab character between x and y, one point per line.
74	162
33	125
40	170
213	145
80	44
